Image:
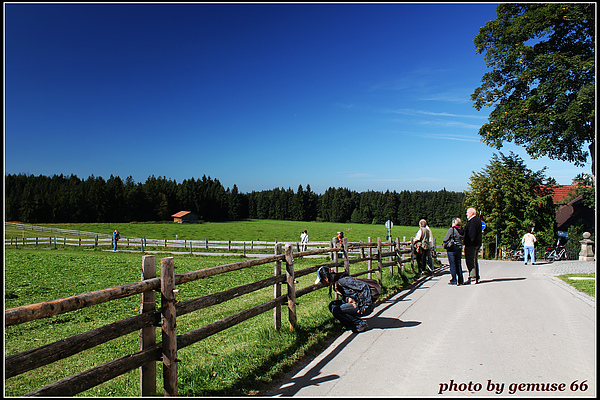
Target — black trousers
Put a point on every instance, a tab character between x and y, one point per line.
471	253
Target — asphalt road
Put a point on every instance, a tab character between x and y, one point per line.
519	332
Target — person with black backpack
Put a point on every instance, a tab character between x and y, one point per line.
453	242
356	297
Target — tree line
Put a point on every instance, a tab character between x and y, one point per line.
69	199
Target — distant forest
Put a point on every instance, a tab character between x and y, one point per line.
69	199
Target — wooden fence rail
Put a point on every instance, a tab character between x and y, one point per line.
144	244
89	239
165	317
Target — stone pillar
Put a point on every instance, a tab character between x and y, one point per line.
587	248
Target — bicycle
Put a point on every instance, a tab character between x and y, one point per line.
556	254
513	253
518	255
559	252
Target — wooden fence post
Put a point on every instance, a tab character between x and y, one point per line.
412	254
399	258
335	257
277	288
148	334
379	262
370	262
169	333
346	259
391	257
291	286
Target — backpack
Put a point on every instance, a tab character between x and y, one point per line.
425	239
374	287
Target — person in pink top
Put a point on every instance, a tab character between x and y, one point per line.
529	245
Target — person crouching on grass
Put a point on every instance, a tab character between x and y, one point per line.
356	298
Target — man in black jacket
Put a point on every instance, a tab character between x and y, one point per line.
472	242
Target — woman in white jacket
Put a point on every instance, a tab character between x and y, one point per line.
529	245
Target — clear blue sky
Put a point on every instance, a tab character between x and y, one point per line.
362	96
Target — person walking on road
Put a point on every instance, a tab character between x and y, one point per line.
472	241
453	244
355	298
528	242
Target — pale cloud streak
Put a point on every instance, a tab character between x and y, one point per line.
408	111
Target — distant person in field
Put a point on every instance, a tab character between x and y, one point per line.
116	237
337	241
340	238
528	242
304	239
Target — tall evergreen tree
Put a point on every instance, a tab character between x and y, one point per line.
511	198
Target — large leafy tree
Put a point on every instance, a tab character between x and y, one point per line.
542	83
511	198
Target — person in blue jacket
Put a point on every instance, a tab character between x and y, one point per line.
355	298
116	237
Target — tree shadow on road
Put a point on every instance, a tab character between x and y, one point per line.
499	280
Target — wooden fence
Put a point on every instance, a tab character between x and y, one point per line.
398	253
60	237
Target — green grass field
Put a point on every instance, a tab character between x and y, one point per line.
238	361
269	230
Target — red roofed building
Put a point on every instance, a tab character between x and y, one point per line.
561	192
185	216
570	208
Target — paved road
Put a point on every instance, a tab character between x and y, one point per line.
520	326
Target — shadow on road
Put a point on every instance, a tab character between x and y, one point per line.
389	323
499	280
311	377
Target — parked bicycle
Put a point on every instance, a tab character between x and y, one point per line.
559	252
514	253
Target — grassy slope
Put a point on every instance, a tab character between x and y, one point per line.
238	361
269	230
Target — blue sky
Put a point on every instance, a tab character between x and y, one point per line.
362	96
